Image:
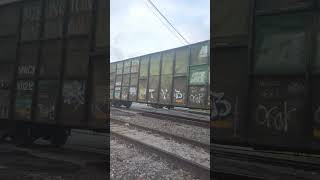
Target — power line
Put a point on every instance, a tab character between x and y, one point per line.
175	34
155	7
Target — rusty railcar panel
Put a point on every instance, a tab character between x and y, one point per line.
124	93
231	19
51	59
144	67
153	90
126	80
277	5
180	91
135	66
278	112
57	50
77	58
101	27
28	59
47	101
142	91
4	103
119	68
200	54
280	45
31	21
165	89
167	62
230	92
73	105
100	84
23	102
8	46
6	76
316	108
166	77
9	20
133	90
127	67
182	61
134	79
54	18
80	19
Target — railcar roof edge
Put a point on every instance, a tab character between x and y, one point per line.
135	57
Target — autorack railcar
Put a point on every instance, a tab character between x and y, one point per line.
176	77
53	68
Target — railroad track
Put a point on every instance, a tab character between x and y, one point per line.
264	165
169	135
170	117
198	169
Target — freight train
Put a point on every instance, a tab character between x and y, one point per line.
53	68
173	78
265	72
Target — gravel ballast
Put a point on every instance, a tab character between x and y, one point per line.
129	162
188	131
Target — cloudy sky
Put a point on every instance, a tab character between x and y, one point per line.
135	30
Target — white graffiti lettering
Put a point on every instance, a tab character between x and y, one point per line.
74	94
26	69
220	106
198	77
196	98
25	85
133	91
4	84
164	93
151	91
273	117
178	94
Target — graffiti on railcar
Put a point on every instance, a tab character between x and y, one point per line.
26	69
274	110
275	117
24	99
221	107
73	94
179	96
199	77
151	93
164	93
47	99
197	96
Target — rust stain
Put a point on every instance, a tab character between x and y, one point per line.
223	124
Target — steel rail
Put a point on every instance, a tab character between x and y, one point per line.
170	117
165	134
198	170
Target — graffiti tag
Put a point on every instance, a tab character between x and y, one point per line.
274	117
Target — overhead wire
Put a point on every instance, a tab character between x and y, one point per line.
164	24
166	19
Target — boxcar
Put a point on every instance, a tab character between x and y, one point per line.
176	77
265	74
53	68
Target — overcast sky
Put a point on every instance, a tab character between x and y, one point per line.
136	31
